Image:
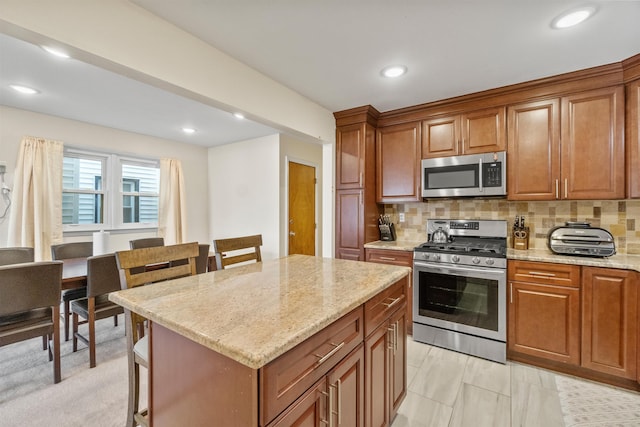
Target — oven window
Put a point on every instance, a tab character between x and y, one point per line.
464	300
461	176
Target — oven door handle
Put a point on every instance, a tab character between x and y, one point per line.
434	268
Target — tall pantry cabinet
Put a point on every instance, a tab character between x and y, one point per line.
356	209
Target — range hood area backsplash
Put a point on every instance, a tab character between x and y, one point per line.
616	216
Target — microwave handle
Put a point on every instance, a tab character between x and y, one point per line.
480	175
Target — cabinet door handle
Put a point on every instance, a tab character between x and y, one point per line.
328	397
566	193
331	353
557	190
511	292
387	258
339	401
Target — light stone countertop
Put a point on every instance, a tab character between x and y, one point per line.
257	312
621	261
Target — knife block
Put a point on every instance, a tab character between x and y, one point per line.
387	232
520	238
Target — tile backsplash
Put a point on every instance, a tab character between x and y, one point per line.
619	217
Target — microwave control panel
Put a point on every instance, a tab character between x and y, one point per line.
492	174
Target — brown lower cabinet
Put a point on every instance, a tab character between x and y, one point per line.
333	378
580	320
401	258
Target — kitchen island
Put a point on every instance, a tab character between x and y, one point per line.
276	342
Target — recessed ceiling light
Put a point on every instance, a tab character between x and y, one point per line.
56	52
24	89
393	71
188	130
238	115
573	17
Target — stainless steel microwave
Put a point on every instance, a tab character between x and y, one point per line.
472	175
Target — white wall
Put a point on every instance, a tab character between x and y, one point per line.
244	183
15	123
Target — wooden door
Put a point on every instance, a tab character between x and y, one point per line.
609	321
544	321
309	410
377	377
350	156
441	137
346	391
397	362
302	209
483	131
593	164
398	163
533	155
349	225
632	117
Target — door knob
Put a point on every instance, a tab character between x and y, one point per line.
292	233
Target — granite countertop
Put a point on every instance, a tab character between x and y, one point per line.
257	312
621	261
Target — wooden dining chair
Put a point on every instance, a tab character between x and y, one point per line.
69	251
30	305
148	242
133	273
238	249
103	277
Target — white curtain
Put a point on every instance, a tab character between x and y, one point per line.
172	219
36	217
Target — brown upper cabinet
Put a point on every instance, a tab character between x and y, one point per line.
481	131
352	144
633	139
398	163
567	148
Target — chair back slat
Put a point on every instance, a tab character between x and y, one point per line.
72	250
131	261
222	247
29	286
16	255
102	275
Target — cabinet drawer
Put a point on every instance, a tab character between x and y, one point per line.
402	258
544	272
286	378
380	307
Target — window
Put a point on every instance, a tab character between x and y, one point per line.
107	191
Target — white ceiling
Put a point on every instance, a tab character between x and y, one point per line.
331	52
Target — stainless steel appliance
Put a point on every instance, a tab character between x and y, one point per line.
460	282
579	238
470	175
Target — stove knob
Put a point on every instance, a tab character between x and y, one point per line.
475	260
436	257
455	258
489	261
425	256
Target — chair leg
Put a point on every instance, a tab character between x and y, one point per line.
49	339
115	320
57	376
45	338
92	333
66	315
75	331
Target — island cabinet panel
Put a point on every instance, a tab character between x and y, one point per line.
610	321
287	377
592	138
398	156
632	128
190	385
544	311
481	131
533	154
401	258
385	355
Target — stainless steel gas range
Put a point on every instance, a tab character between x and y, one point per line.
460	281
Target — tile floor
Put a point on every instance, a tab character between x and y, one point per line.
446	388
